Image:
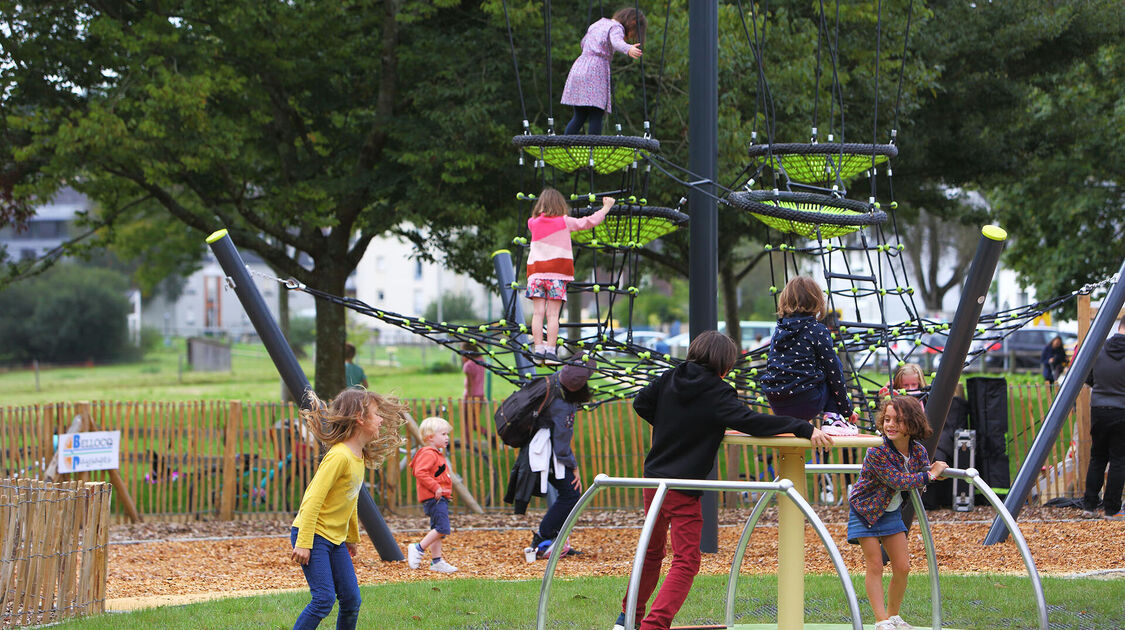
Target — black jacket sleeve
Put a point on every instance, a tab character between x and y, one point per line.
736	415
645	402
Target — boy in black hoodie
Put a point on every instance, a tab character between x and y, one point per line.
1107	428
690	407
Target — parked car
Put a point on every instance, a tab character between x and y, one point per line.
648	338
754	334
1023	348
651	340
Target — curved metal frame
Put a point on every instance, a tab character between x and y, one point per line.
969	474
662	486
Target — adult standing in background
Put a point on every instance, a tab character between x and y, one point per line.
473	395
1107	429
353	374
1053	359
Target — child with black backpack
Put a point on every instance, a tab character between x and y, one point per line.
548	459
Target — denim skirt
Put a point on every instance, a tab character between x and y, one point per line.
889	523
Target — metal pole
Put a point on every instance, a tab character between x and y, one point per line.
965	320
512	307
291	372
703	266
1060	406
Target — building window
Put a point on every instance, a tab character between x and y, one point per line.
380	263
379	295
417	270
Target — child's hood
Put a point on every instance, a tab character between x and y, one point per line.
690	381
1115	347
428	452
789	327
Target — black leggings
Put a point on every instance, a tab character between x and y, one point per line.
581	114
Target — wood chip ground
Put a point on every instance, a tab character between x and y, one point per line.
162	563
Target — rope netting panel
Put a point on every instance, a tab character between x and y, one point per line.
624	367
604	154
821	163
872	348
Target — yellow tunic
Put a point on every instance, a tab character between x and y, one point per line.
328	508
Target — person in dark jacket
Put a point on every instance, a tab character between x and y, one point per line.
1107	429
690	408
1053	359
803	375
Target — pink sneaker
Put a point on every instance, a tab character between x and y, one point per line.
835	424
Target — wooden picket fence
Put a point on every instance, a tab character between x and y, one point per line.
240	460
53	550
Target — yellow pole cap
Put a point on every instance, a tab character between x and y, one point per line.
994	232
216	235
500	251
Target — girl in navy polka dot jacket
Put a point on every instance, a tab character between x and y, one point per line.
803	375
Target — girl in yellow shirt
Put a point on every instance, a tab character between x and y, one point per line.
361	428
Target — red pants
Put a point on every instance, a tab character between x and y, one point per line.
683	513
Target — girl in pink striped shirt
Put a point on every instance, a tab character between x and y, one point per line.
550	262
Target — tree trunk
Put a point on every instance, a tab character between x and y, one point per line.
330	335
728	284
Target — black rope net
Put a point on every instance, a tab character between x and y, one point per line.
624	367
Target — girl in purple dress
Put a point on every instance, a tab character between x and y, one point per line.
587	85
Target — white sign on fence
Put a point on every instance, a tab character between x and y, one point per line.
95	450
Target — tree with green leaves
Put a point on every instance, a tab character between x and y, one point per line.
1024	109
305	129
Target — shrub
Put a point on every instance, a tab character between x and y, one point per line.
68	314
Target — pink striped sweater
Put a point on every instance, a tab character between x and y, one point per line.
550	256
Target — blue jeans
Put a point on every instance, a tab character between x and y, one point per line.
331	575
556	514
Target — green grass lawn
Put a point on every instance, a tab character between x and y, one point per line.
968	602
252	377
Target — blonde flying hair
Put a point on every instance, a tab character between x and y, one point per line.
550	203
336	421
432	425
803	296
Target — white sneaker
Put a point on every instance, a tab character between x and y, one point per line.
441	566
886	624
899	623
413	555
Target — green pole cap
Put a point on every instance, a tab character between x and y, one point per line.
994	232
216	236
500	251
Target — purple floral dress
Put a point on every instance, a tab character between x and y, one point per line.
588	82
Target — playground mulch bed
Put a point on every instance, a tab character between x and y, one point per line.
182	559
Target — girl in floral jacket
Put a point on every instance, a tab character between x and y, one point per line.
901	463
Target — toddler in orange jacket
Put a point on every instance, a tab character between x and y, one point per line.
435	487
